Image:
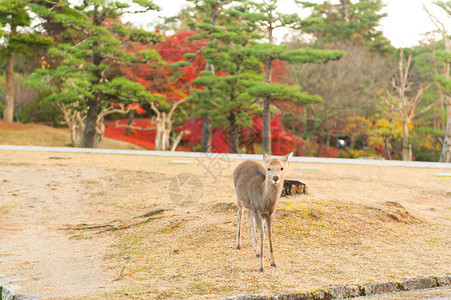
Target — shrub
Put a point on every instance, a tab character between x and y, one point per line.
40	111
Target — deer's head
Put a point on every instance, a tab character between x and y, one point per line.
275	167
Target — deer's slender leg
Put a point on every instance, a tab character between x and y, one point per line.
250	219
271	253
259	222
238	236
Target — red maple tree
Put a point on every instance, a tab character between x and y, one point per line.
175	84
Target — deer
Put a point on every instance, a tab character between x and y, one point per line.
258	190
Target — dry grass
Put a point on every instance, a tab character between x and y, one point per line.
359	224
42	135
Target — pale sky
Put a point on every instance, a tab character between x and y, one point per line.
404	26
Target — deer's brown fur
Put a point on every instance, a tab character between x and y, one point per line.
258	189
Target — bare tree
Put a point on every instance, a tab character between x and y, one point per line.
445	155
75	119
111	109
348	86
404	106
164	128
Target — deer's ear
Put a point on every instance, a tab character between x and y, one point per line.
266	158
287	157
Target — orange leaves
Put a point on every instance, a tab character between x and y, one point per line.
44	63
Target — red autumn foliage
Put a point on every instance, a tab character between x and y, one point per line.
174	84
143	138
282	142
332	152
219	139
279	72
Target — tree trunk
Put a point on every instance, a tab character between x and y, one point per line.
8	111
80	121
233	132
166	139
440	94
205	143
100	132
266	134
345	10
318	152
131	118
178	139
160	138
73	134
387	149
328	137
446	149
305	134
405	142
266	126
90	132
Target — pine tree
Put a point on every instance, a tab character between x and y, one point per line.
84	78
225	97
357	21
15	22
265	15
210	10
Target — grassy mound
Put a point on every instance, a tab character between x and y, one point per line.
42	135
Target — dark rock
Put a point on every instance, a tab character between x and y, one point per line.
319	295
418	284
7	292
26	297
342	292
443	280
350	291
293	296
379	288
246	297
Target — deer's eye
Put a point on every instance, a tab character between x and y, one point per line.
269	169
281	169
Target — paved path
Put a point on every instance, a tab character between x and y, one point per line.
378	162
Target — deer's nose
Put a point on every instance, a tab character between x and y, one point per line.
275	178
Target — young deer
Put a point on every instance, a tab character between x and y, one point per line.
258	189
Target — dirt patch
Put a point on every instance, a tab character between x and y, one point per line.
38	201
359	224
